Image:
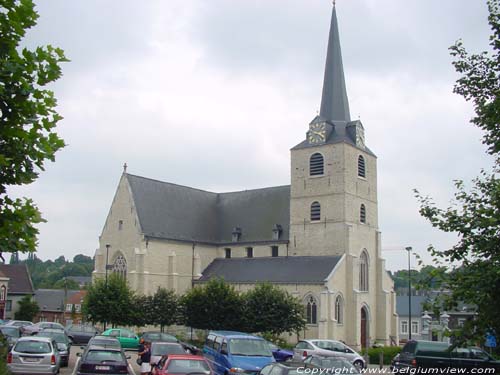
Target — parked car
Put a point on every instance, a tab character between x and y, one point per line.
127	338
106	341
185	364
280	355
102	360
433	354
327	348
11	334
158	336
229	351
160	348
18	323
81	333
62	341
280	368
35	328
34	355
334	365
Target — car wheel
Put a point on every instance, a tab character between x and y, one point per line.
358	365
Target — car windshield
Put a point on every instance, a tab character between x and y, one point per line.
161	349
10	331
104	356
249	347
34	347
187	366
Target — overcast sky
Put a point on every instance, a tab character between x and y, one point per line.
213	94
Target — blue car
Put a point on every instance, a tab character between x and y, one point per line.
232	352
280	355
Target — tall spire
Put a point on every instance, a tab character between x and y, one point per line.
334	104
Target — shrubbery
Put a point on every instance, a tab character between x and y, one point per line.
388	351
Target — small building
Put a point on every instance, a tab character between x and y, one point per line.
56	305
15	284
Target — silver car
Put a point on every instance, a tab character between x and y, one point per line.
161	348
34	355
327	348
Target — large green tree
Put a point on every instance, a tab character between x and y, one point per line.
475	212
215	305
165	308
110	302
28	119
273	310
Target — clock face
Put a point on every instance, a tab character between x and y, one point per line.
316	133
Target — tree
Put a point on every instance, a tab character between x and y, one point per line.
475	212
215	305
165	308
273	310
28	119
27	309
111	303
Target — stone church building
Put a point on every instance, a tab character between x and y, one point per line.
317	238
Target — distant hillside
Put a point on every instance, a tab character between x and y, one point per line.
50	274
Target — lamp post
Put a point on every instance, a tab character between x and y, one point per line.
409	292
106	273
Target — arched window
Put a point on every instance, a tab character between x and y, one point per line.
339	310
3	293
361	166
315	211
316	164
311	310
362	214
363	272
120	266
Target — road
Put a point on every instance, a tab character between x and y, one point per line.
76	349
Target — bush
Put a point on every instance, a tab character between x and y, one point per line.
388	351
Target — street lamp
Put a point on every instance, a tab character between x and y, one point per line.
409	292
106	273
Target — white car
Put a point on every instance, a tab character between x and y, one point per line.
327	348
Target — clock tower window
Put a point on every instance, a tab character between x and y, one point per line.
361	166
316	165
315	211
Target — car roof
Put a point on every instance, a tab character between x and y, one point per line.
186	356
104	337
104	347
35	338
235	334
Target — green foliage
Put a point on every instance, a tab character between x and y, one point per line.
27	121
475	213
112	302
215	305
389	353
271	309
165	308
27	309
427	278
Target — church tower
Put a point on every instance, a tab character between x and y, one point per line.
333	207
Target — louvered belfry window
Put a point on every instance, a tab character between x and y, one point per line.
362	214
315	211
361	167
316	165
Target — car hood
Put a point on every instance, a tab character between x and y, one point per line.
250	363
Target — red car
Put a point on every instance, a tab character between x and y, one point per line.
182	364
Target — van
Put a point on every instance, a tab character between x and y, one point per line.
232	352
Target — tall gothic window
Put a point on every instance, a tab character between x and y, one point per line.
363	272
361	166
362	214
315	211
316	165
339	310
311	310
3	293
120	266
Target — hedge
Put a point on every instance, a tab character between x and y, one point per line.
388	351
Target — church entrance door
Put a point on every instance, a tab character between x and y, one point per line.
364	326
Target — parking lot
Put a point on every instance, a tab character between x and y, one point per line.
76	349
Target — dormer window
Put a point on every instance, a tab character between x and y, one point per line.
277	230
316	165
236	234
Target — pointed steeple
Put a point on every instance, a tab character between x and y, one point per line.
334	103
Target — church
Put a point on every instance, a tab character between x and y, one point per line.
317	238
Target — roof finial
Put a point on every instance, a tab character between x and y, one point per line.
333	1
125	168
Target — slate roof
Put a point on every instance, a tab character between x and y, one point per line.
171	211
53	299
402	305
19	278
293	269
